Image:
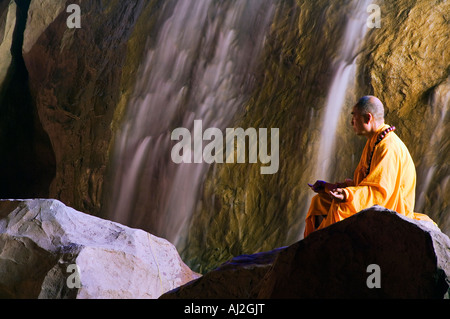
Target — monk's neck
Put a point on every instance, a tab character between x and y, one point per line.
376	129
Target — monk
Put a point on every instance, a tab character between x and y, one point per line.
385	175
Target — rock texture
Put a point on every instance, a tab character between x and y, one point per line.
413	256
41	239
27	161
7	23
75	81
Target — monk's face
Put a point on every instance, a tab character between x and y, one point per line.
359	124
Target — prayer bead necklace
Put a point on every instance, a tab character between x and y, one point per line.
379	139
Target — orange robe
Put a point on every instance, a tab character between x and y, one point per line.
391	183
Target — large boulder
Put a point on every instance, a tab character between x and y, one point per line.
376	253
49	250
411	259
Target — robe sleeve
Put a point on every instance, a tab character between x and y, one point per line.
378	187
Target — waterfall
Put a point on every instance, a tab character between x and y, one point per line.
345	68
199	67
432	163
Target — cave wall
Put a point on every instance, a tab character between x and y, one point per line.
75	79
27	164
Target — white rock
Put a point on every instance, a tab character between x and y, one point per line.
40	15
40	239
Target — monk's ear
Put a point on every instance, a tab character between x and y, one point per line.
368	117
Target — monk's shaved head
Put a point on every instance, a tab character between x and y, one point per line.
371	104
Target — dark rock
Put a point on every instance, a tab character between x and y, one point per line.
27	162
413	259
234	279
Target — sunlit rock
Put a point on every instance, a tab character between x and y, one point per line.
49	250
7	23
41	14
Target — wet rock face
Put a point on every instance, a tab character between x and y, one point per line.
75	77
376	253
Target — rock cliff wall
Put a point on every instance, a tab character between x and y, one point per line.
27	163
75	81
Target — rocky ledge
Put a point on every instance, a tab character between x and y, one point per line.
376	253
49	250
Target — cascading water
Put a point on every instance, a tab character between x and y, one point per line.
345	68
200	68
431	161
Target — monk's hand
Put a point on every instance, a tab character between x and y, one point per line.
319	186
338	194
